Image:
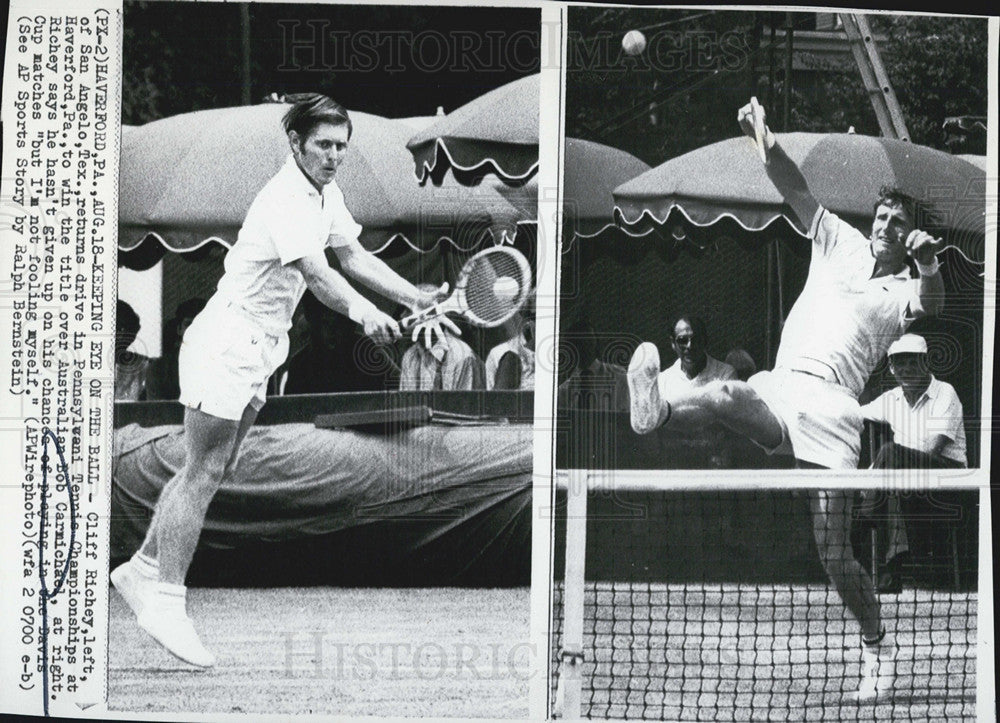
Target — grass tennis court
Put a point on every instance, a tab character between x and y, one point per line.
348	652
770	653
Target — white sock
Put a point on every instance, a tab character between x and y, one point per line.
171	596
146	566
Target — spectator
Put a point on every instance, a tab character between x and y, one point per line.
694	367
511	364
448	364
584	378
925	415
130	368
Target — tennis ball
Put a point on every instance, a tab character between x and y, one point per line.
634	42
505	288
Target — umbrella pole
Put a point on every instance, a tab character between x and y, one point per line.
755	54
770	67
779	269
787	94
769	333
245	98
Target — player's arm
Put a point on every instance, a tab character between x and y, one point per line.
874	411
782	171
929	296
369	270
335	292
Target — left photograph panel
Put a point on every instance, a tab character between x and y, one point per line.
324	360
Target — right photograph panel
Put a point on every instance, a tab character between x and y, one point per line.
765	256
773	259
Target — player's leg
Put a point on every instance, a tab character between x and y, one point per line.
831	513
147	551
246	422
209	443
733	404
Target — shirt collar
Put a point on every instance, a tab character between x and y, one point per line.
933	386
929	393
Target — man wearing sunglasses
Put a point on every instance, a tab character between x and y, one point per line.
694	367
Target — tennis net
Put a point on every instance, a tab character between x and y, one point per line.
713	605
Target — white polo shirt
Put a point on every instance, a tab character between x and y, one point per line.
938	411
672	381
844	321
288	220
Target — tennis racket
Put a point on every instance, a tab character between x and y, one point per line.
491	287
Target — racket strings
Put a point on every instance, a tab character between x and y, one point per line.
495	286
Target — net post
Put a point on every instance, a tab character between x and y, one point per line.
568	689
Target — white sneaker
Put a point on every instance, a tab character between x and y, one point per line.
174	630
134	587
878	673
644	393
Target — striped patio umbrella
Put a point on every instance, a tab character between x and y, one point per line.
496	133
844	171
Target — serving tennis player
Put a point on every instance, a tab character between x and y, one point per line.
241	337
859	298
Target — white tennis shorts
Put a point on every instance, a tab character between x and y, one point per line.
226	361
821	421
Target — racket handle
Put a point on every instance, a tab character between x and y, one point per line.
431	312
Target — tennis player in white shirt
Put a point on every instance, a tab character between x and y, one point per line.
859	297
239	340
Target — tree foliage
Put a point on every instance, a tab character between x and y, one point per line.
701	66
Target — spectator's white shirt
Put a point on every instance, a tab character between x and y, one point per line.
524	354
844	320
672	381
938	411
288	220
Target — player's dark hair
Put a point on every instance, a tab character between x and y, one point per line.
696	323
891	196
311	109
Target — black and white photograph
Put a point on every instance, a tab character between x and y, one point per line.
690	288
518	360
773	276
321	499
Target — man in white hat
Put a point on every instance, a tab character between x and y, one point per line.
925	415
924	412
